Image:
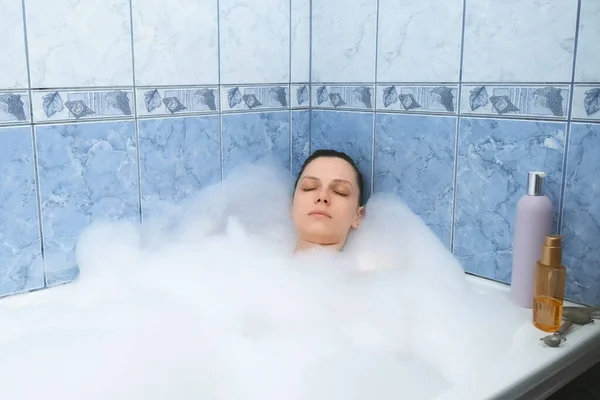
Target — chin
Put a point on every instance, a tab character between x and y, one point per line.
320	237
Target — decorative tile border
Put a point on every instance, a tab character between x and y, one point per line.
517	101
239	98
507	100
14	108
300	95
73	105
343	96
586	102
177	100
417	98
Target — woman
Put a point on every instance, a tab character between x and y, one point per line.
328	200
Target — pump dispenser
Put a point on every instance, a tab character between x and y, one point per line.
549	289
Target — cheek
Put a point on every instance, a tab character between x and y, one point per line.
344	214
351	213
297	205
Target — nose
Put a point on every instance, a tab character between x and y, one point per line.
322	197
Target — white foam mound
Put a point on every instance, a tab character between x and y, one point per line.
208	302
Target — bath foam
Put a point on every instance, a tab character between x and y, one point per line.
208	302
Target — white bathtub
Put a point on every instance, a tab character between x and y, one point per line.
530	371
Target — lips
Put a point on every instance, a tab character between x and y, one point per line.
320	212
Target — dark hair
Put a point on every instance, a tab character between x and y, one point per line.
336	154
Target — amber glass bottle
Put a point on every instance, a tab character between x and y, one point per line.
549	287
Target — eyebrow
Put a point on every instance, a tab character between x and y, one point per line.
334	180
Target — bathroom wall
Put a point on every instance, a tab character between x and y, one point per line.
450	103
107	107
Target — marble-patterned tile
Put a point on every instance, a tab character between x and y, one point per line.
300	95
255	137
350	97
178	157
419	41
300	40
519	41
343	44
243	98
79	43
581	214
414	158
350	132
438	99
586	102
255	41
73	105
14	108
300	139
587	64
175	45
516	100
13	69
87	172
21	265
494	157
165	101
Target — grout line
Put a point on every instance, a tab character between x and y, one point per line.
303	108
511	117
375	99
457	130
135	105
34	150
13	124
263	84
345	110
527	83
310	79
563	184
416	114
252	85
291	135
447	83
244	85
220	109
121	118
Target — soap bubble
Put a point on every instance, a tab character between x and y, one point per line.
208	301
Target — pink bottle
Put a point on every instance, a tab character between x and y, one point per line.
533	222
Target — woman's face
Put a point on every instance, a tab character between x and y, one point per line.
326	203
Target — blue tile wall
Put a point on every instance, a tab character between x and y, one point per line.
21	266
581	213
494	157
414	157
519	41
178	157
248	138
448	104
86	172
300	139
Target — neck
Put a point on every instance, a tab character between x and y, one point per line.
303	245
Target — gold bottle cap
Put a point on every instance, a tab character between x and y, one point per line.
553	241
552	251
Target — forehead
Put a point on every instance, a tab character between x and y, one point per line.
329	168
